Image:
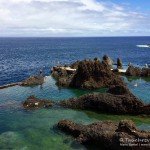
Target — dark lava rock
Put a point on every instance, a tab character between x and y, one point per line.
58	72
107	134
145	72
108	61
90	74
62	76
136	71
75	65
94	74
118	90
119	63
34	103
133	71
33	80
119	100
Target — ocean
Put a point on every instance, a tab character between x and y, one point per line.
22	57
22	129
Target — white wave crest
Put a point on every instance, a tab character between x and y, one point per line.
145	46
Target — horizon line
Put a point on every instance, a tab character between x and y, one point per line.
73	36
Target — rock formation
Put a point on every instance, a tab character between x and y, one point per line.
136	71
34	103
108	61
118	100
33	80
145	72
119	64
107	134
90	74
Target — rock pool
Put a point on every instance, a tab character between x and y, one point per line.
30	130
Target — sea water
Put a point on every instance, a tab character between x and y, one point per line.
22	129
22	57
36	129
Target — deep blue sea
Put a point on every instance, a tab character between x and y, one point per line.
22	57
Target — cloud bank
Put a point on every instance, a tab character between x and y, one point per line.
70	18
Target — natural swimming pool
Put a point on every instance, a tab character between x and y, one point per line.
22	129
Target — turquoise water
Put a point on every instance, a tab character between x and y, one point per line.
29	130
142	90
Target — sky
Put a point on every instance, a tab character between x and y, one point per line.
73	18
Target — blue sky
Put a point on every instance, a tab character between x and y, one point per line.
54	18
134	5
141	4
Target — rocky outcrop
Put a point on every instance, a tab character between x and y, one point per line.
108	61
63	76
119	64
34	103
119	90
108	135
33	80
118	100
136	71
94	74
75	65
145	72
88	74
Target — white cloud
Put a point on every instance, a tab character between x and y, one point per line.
68	18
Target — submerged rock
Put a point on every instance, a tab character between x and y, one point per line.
118	100
107	134
11	140
33	80
34	103
136	71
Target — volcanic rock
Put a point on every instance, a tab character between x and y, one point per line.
33	80
90	74
119	63
107	134
34	103
108	61
94	74
145	72
136	71
118	100
75	65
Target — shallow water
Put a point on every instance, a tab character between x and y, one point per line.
30	130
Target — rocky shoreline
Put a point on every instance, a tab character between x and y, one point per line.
31	81
107	134
138	72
